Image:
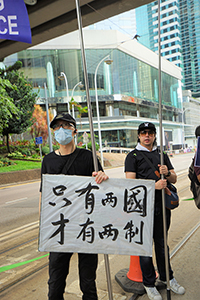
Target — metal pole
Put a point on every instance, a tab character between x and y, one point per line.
107	267
73	112
97	108
162	162
183	127
48	122
66	83
79	83
183	132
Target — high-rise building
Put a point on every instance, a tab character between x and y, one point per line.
125	23
169	28
190	36
180	34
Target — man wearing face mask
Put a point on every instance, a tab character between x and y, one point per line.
70	160
138	165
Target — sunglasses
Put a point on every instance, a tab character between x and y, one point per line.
64	126
144	132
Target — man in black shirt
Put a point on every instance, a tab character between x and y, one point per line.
70	160
136	166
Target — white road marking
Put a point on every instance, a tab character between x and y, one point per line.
19	230
17	200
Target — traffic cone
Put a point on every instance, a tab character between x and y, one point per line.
135	273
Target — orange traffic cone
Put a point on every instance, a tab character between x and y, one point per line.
135	273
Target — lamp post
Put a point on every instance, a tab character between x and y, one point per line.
73	113
78	84
183	130
48	122
108	61
62	75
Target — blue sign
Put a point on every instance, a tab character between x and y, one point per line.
38	140
14	21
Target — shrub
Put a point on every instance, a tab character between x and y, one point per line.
3	149
55	147
89	145
45	150
4	162
35	155
16	154
26	152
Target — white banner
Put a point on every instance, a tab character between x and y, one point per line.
79	215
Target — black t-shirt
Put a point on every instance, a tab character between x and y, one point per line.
135	162
82	165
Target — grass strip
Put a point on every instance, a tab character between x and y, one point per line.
21	165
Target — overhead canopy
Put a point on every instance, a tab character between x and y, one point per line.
53	18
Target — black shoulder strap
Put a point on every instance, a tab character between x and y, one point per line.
192	174
151	165
70	161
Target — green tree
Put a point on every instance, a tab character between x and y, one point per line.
23	97
39	127
7	106
82	110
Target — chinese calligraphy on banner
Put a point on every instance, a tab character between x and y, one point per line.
79	215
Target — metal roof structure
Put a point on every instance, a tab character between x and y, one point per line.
53	18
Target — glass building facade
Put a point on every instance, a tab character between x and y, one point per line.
127	89
126	75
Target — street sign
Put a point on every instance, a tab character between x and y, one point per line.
38	140
85	138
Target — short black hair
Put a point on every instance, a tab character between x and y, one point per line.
197	131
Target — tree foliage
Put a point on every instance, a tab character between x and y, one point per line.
39	126
7	106
82	110
23	98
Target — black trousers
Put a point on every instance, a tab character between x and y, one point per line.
146	263
59	269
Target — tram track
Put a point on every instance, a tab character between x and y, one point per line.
45	264
15	233
19	245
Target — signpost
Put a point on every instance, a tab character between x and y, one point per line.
38	141
85	139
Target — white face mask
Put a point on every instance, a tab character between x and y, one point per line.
63	136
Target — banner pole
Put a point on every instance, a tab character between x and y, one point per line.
162	159
107	267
